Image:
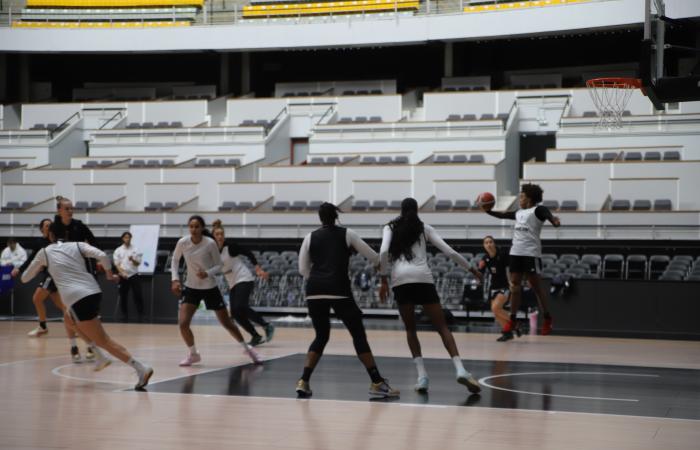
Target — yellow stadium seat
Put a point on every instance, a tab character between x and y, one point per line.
110	3
294	9
18	24
519	5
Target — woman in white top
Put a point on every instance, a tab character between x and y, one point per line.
13	255
203	262
404	244
127	260
65	262
241	282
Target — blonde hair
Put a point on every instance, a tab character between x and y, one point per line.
217	224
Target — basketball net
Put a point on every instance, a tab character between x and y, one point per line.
610	97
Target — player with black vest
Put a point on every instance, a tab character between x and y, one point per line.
494	265
323	261
404	247
526	251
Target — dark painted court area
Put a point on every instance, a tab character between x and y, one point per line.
589	388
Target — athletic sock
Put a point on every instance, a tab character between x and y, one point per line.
374	375
42	324
136	365
193	350
306	376
96	350
73	342
459	367
420	366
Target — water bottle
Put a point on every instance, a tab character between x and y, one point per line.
533	321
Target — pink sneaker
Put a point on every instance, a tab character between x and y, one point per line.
192	358
252	354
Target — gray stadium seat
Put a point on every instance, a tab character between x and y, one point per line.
218	162
609	156
105	163
81	206
375	119
227	206
385	160
487	117
97	205
153	163
458	159
551	204
90	164
443	205
281	206
137	163
204	162
462	205
671	275
626	113
468	117
314	205
38	126
376	92
589	276
620	205
641	205
503	116
167	162
633	156
636	267
361	119
394	205
154	206
332	160
170	205
233	162
657	265
591	157
26	205
360	205
176	124
663	205
163	125
476	159
12	205
368	160
147	125
569	205
652	156
316	161
672	156
298	205
613	266
590	114
51	126
399	160
243	206
379	205
454	117
247	123
693	277
13	164
441	159
575	272
573	157
3	164
345	120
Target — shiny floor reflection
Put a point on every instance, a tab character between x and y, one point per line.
600	389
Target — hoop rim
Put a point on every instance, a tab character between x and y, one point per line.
615	83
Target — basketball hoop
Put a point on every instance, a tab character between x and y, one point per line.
611	96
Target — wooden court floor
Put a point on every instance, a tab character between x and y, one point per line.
49	403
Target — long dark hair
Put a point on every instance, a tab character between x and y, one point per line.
202	223
406	230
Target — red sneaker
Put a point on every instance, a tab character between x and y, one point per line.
508	328
546	327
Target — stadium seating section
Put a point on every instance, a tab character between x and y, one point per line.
275	9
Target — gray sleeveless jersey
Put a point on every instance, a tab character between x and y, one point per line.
526	234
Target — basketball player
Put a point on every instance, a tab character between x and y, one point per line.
526	251
241	281
323	261
65	262
47	289
495	264
203	263
404	244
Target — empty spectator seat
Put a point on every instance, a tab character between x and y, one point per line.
652	156
203	163
569	205
281	206
609	156
454	117
636	267
672	156
314	205
590	114
375	119
137	163
591	157
90	164
641	205
227	206
316	161
663	205
657	265
487	117
476	159
620	205
613	266
345	120
459	159
462	205
154	206
468	117
443	205
573	157
360	205
441	159
332	160
379	205
395	205
368	160
385	160
633	156
298	205
244	206
169	206
400	160
551	204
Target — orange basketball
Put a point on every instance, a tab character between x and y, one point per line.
486	200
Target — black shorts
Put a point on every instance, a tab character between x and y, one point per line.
494	292
416	294
525	264
212	297
48	284
86	308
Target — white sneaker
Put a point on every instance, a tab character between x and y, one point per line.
38	331
75	355
144	376
253	355
470	382
101	363
422	385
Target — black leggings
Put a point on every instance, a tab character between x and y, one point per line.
132	283
241	310
346	309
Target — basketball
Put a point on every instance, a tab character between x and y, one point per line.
486	200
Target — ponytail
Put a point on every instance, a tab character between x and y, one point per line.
406	230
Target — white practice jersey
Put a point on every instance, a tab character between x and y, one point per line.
526	233
203	256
